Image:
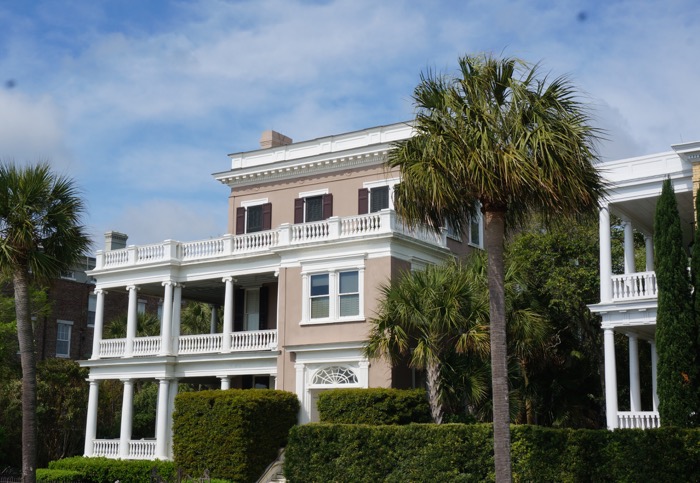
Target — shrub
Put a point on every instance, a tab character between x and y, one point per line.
374	406
234	434
104	470
59	476
458	452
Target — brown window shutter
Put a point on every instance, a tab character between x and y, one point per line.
299	210
240	220
362	201
327	206
267	216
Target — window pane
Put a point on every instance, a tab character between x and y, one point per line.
348	282
379	199
349	305
475	233
63	339
319	307
254	219
319	285
314	208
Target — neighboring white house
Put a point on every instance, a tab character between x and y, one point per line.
313	235
628	301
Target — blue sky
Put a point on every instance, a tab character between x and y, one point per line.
140	101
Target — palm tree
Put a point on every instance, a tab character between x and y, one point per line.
502	137
40	235
424	316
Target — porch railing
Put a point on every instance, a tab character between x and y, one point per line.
253	340
334	228
138	449
631	286
638	419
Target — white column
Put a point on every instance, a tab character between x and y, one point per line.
228	315
225	382
655	396
635	391
166	323
649	249
131	320
127	416
628	246
364	373
171	409
605	255
91	425
177	310
99	323
304	410
162	415
610	379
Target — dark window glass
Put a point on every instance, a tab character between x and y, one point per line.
378	199
313	208
254	220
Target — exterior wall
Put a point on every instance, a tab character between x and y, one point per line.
343	185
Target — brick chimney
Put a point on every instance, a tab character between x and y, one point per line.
273	139
115	240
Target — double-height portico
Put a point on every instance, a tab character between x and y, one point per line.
313	236
628	300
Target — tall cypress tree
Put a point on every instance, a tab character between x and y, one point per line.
675	325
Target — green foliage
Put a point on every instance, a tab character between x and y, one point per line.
104	470
144	407
676	332
234	434
62	395
374	406
147	325
456	452
58	476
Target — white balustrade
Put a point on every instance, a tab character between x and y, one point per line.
384	221
360	225
199	344
255	241
638	419
150	253
254	340
112	347
109	448
632	286
115	258
142	449
306	232
147	346
203	249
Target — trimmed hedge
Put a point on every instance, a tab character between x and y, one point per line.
59	476
104	470
234	434
374	406
458	452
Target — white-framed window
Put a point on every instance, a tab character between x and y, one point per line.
313	206
333	295
92	307
254	216
68	275
63	334
375	196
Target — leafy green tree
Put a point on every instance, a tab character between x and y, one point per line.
503	137
676	334
424	315
147	325
40	235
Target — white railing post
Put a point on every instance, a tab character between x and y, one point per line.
131	255
99	259
170	250
228	244
334	227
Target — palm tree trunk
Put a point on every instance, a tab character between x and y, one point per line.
25	335
494	234
433	376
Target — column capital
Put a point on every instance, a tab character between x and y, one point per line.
229	278
128	380
363	364
99	291
170	283
133	287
